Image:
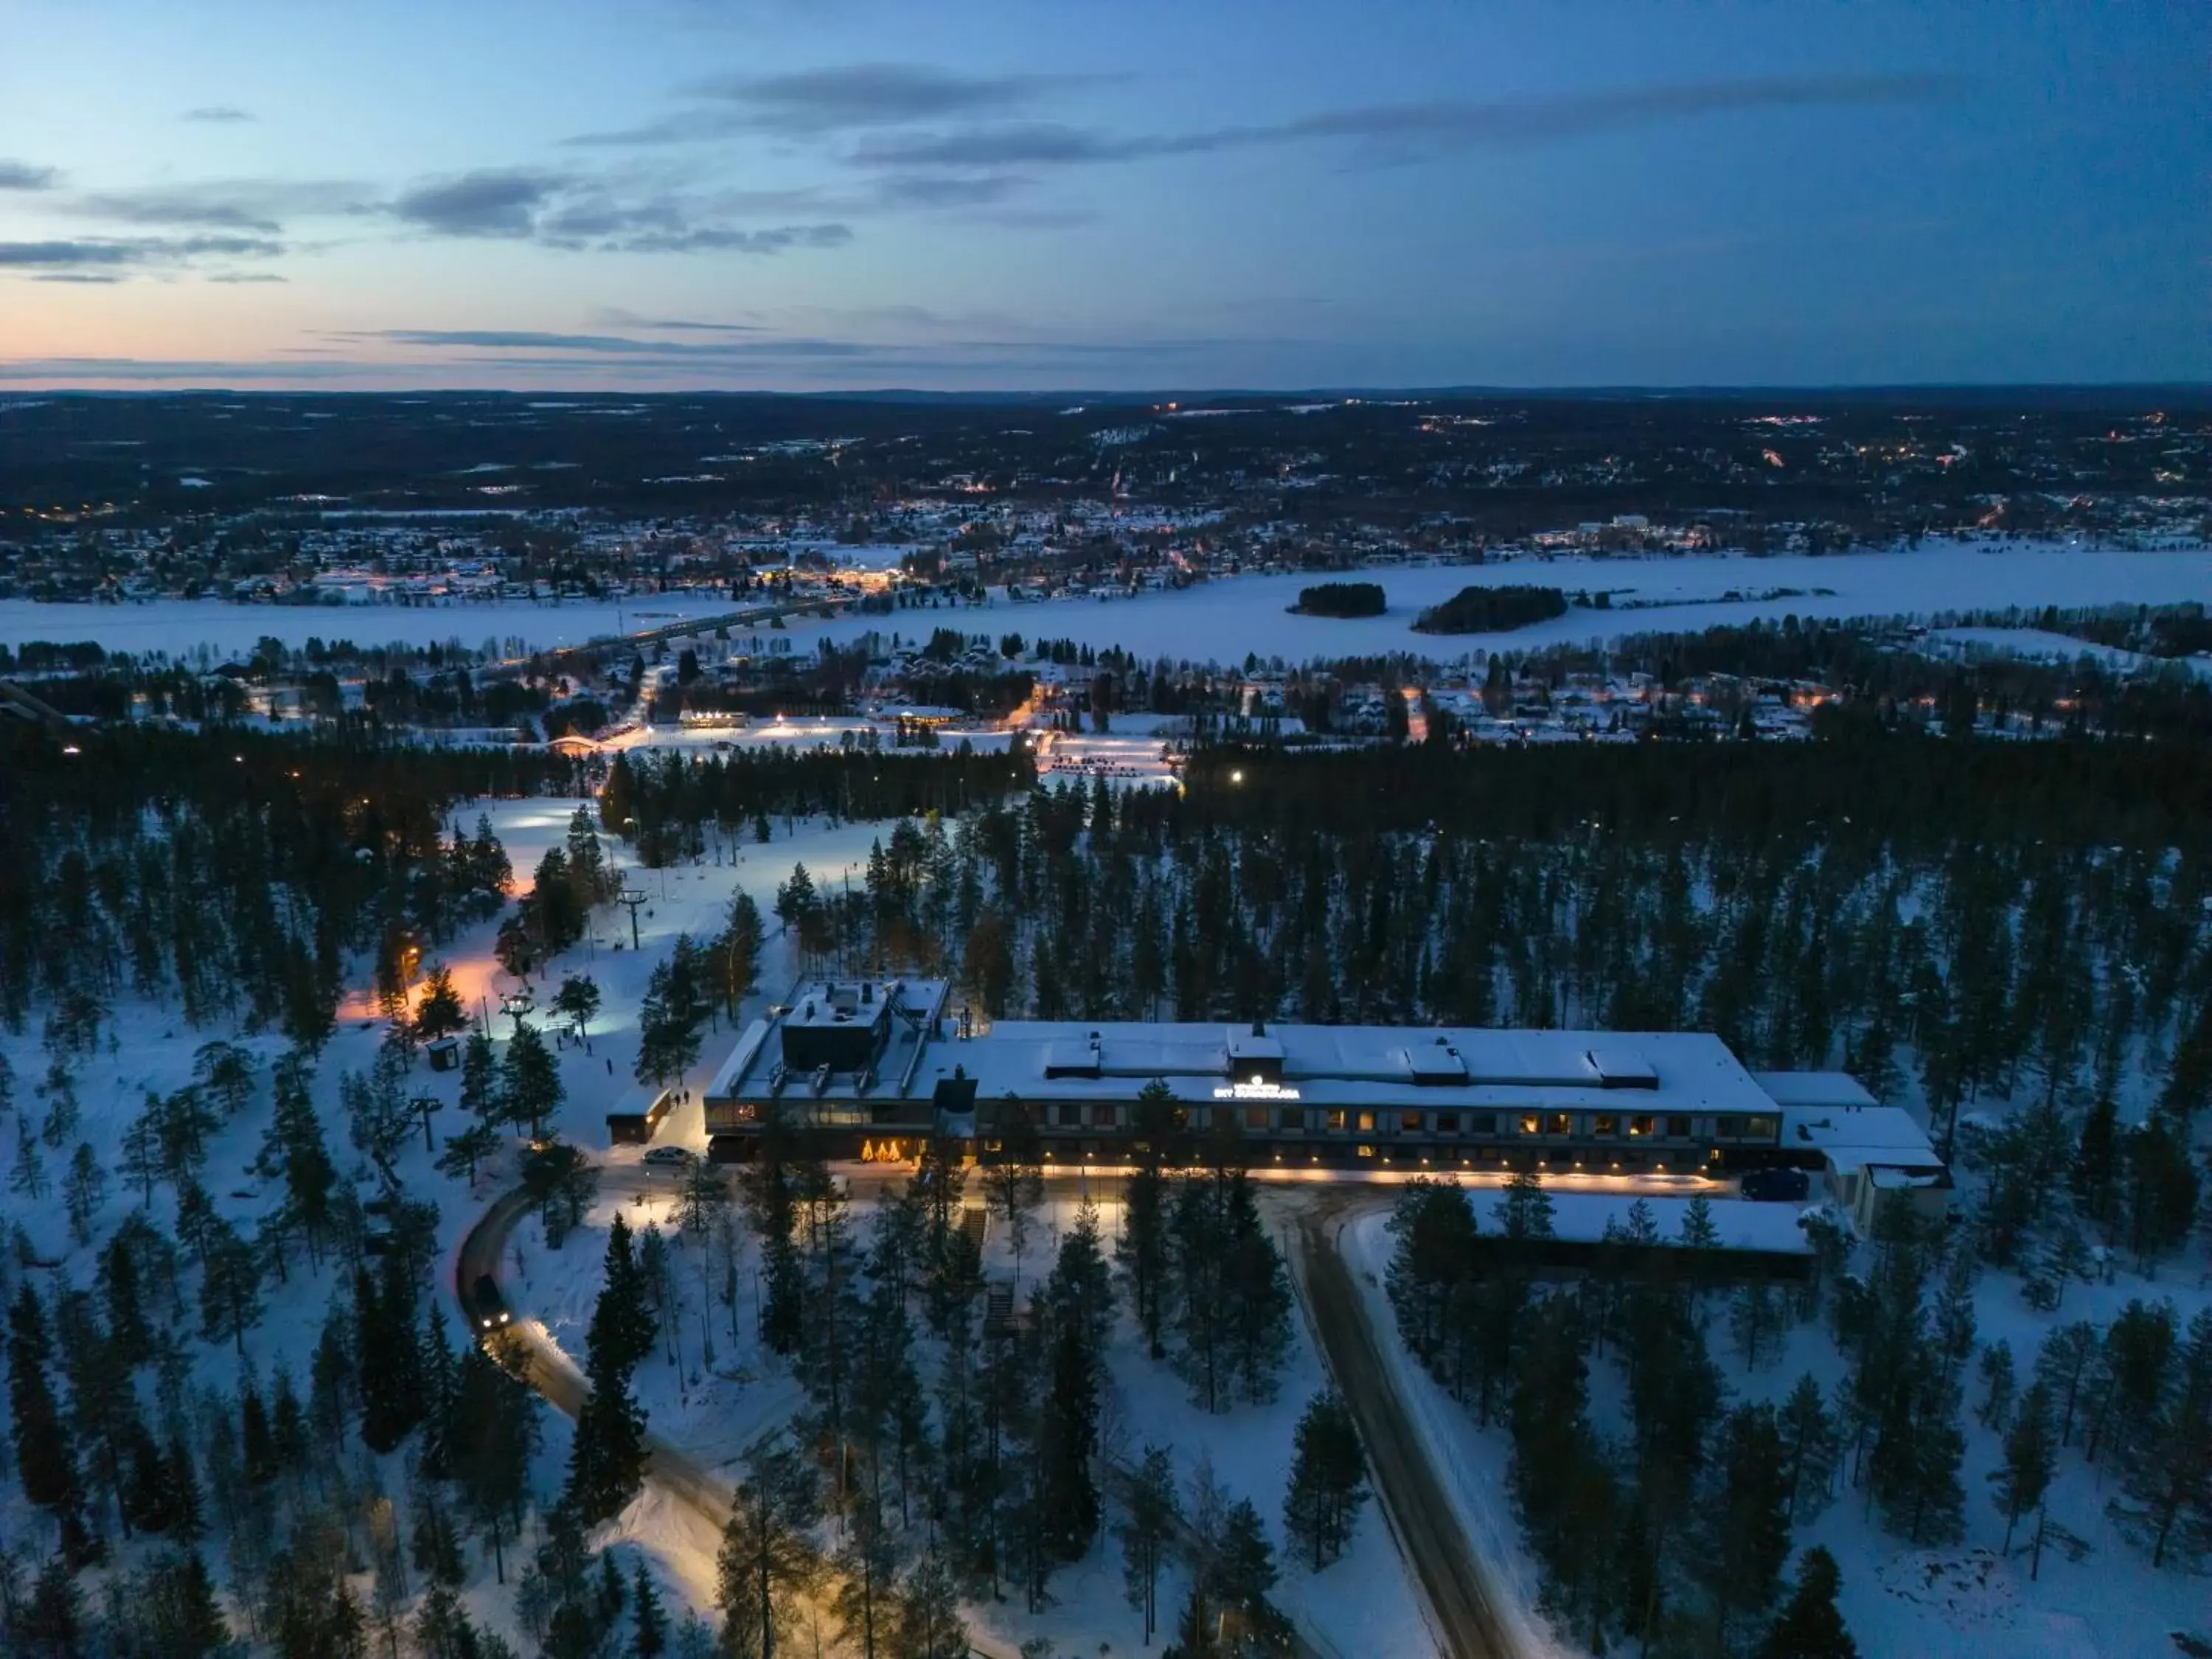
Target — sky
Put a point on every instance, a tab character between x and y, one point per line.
809	195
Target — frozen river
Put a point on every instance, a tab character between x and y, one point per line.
1224	620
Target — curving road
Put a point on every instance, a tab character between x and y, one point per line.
1453	1580
550	1372
1462	1597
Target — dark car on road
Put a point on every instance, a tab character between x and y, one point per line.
1777	1186
488	1304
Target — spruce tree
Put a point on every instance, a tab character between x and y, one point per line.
1068	1441
607	1463
45	1465
531	1086
649	1623
1809	1628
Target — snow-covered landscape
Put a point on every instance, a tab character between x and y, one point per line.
1225	619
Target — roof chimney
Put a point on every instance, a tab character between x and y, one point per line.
1259	1028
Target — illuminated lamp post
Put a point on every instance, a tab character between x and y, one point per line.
514	1004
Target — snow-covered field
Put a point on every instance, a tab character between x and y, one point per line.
1222	620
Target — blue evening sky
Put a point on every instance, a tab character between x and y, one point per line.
811	194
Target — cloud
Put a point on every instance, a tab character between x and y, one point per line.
261	205
156	369
77	277
500	202
21	175
504	339
1399	131
713	238
247	276
136	253
815	103
615	317
219	114
928	190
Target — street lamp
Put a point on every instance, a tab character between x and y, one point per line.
514	1004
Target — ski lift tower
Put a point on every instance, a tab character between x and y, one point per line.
631	898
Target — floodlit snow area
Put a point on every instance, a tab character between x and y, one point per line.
1961	1602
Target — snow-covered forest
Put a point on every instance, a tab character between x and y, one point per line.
917	1411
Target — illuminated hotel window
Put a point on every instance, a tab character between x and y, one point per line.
1604	1125
1532	1123
1409	1123
1367	1151
1367	1123
1336	1117
1560	1124
1640	1125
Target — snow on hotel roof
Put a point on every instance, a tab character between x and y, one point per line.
1357	1065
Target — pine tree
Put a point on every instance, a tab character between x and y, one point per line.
1327	1480
767	1559
1147	1531
1997	1384
1808	1448
1746	1534
2166	1463
1809	1627
481	1095
2030	1456
230	1287
929	1625
1699	1231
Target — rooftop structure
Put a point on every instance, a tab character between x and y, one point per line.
1362	1096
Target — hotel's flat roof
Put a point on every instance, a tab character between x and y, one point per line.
1673	1071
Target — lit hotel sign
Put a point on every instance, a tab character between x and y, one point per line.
1255	1089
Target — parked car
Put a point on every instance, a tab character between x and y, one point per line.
490	1306
668	1156
1777	1186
